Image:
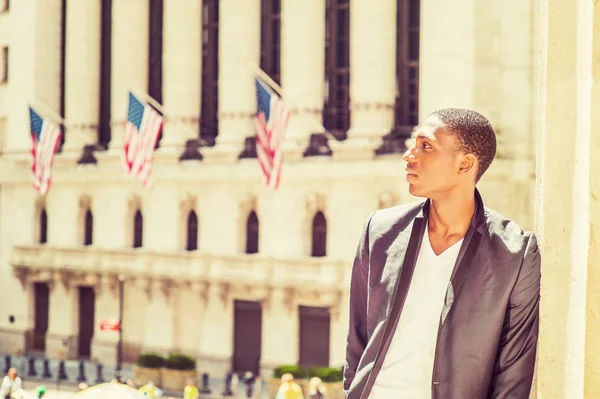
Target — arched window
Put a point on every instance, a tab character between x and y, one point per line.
43	238
319	235
138	225
192	232
252	234
88	228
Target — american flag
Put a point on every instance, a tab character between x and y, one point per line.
45	139
271	123
141	133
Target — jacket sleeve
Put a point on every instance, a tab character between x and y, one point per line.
357	332
515	361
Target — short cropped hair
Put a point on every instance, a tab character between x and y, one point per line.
474	132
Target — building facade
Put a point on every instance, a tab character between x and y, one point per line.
209	262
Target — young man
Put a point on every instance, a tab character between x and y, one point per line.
445	293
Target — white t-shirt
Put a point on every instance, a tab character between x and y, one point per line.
8	385
407	370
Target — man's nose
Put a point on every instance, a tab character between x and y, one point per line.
409	155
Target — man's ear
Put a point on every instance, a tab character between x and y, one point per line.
468	163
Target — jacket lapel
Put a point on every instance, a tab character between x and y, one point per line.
410	253
465	257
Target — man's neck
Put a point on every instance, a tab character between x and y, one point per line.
452	215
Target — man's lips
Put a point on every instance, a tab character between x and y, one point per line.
410	173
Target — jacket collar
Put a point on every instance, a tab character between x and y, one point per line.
477	220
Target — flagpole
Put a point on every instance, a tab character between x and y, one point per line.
264	76
52	114
146	97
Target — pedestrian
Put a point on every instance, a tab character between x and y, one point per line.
444	294
40	391
288	388
11	384
190	391
316	389
151	390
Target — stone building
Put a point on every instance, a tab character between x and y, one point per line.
210	262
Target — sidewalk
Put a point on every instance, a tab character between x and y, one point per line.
216	384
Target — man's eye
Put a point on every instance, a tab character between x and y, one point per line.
426	146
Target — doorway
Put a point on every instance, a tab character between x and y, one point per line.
87	302
247	327
41	299
314	336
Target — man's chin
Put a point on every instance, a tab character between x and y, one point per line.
416	191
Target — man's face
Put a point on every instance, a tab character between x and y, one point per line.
432	162
12	374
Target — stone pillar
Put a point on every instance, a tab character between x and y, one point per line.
182	58
302	71
82	74
160	316
216	344
104	343
63	318
164	226
568	210
339	331
62	210
239	44
34	67
129	61
444	42
112	201
280	326
372	76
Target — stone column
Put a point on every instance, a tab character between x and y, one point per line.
162	300
82	74
339	330
63	223
372	75
61	337
216	344
34	66
568	209
444	42
164	226
280	326
182	58
129	61
302	71
104	343
239	44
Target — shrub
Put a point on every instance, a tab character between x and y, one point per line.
295	370
326	374
177	361
151	361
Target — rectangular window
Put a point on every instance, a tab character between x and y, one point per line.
336	110
155	49
4	72
209	122
270	39
407	67
63	58
105	77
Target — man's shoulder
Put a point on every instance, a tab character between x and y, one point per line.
506	230
387	217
